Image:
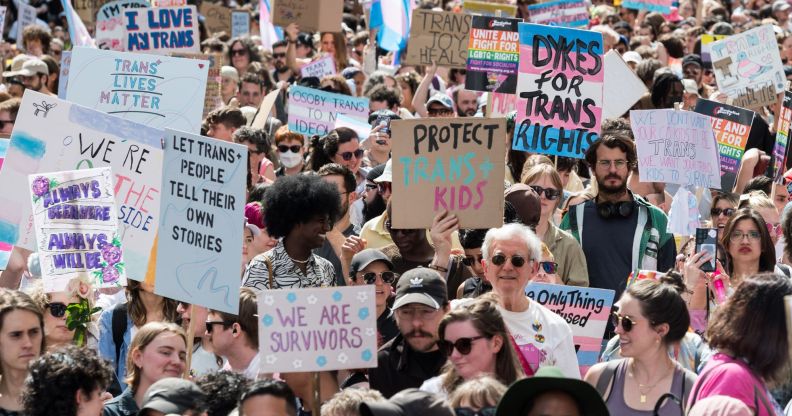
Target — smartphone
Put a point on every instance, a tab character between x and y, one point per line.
707	241
384	121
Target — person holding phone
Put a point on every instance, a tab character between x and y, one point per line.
378	144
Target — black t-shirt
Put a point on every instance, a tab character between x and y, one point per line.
326	252
608	246
386	326
399	367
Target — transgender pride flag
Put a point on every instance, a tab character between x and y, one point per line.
392	18
269	33
77	32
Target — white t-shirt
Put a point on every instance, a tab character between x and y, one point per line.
543	339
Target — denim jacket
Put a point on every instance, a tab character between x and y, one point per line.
107	347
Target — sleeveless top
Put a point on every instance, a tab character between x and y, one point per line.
617	406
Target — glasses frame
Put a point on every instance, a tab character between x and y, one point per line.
295	148
369	280
347	156
210	325
464	345
618	319
62	307
517	261
551	194
543	268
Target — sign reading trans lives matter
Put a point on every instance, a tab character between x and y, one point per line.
158	91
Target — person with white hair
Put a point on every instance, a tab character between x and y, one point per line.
511	256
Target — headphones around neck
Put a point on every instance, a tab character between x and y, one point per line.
609	210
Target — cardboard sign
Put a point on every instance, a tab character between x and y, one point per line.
158	91
53	135
213	98
567	13
319	68
452	164
706	40
110	27
77	228
559	90
676	147
320	329
240	23
622	87
482	8
502	104
311	15
587	311
313	111
162	30
26	16
202	221
780	148
5	248
63	76
217	18
748	67
660	6
438	36
493	55
731	125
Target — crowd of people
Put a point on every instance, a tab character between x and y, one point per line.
455	330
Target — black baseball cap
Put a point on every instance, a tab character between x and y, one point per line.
546	379
692	59
421	285
172	395
407	403
362	259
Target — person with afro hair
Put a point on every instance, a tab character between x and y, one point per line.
299	210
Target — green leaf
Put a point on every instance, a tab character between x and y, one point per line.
116	241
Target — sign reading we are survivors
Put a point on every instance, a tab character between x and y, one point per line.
162	30
567	13
158	91
313	111
585	309
493	55
203	201
77	228
676	147
559	90
455	165
440	37
731	126
320	329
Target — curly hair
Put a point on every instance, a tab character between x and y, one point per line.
55	378
298	199
324	149
223	390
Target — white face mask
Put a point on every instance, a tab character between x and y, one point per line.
290	159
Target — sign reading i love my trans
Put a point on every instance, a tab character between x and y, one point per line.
559	90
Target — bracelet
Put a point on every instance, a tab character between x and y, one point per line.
438	268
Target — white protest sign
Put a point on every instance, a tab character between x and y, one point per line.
53	135
676	146
319	68
26	16
63	76
162	30
319	329
313	111
622	87
240	23
110	28
77	228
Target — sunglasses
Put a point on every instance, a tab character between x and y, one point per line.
387	277
4	122
238	52
293	148
549	267
57	309
466	411
347	156
210	325
463	345
625	321
371	186
717	211
470	260
439	111
278	55
550	193
516	261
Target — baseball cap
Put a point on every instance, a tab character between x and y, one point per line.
375	172
525	202
365	257
692	59
387	173
172	395
229	72
546	379
253	229
349	73
421	285
780	5
442	99
632	56
408	402
34	66
16	65
690	86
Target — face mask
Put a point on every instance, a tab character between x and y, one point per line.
290	159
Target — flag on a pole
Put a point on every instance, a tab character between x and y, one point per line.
269	32
392	18
77	30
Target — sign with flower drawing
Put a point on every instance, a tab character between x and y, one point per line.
76	223
317	329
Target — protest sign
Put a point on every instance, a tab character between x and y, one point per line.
567	13
360	127
77	228
452	164
26	16
441	37
162	30
502	104
660	6
483	8
706	40
217	18
311	15
676	146
748	67
585	309
240	23
559	90
5	248
168	3
52	135
493	55
731	126
158	91
780	148
110	28
622	87
202	221
213	97
87	9
313	111
265	109
63	75
319	329
319	68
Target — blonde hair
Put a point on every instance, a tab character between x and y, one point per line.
347	401
546	253
480	392
536	172
144	336
756	200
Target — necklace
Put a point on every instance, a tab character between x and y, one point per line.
300	261
644	389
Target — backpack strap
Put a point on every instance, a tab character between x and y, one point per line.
605	381
688	381
270	272
119	326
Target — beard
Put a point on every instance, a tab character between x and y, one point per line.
374	209
612	190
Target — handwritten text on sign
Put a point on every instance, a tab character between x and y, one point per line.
585	309
559	89
77	228
448	164
313	111
203	182
440	37
317	329
162	30
676	147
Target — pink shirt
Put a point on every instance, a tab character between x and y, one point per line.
726	376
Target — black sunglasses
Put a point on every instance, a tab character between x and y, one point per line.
625	321
347	156
470	260
549	267
387	277
239	52
466	411
278	55
463	345
516	261
57	309
438	111
210	325
550	193
371	186
717	211
294	148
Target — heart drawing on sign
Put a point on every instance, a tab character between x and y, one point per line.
200	66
